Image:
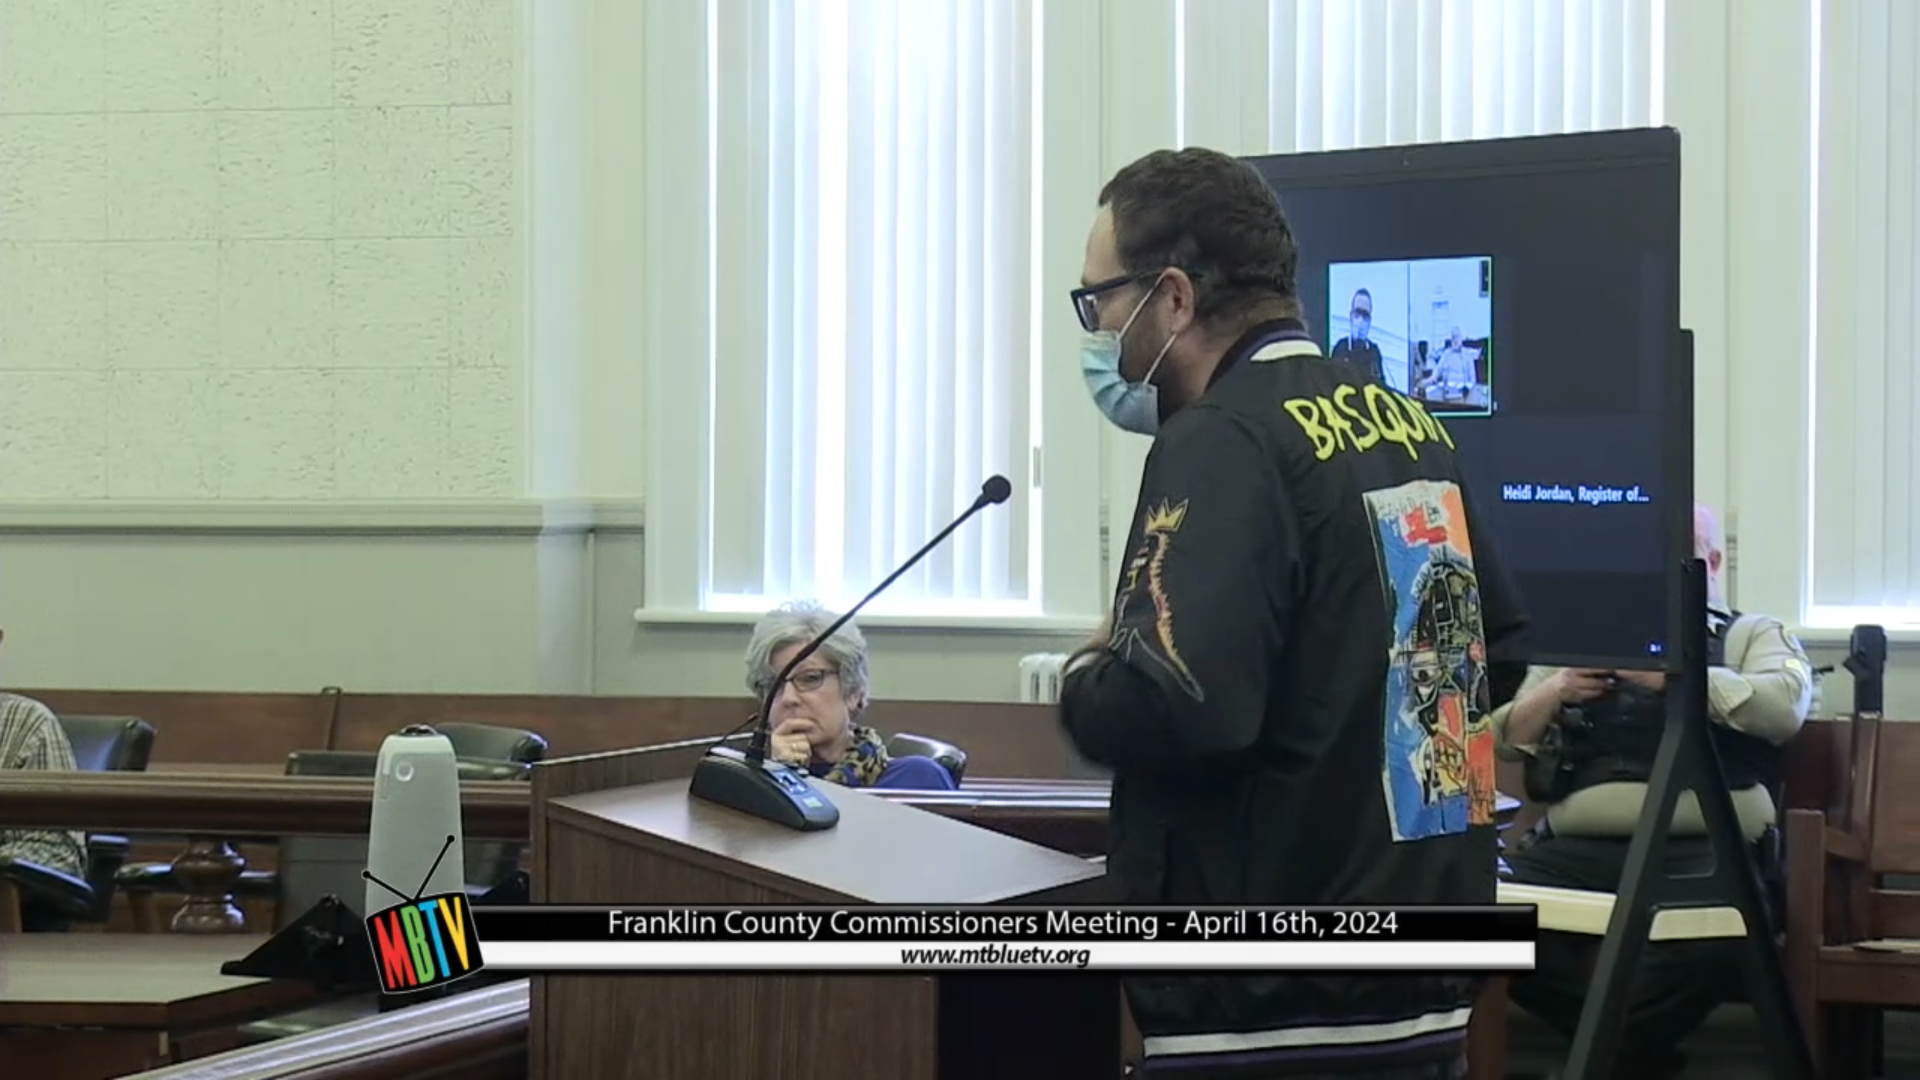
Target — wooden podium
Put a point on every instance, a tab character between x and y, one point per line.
620	828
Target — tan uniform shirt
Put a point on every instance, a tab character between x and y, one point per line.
1765	690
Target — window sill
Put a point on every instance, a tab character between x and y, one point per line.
1080	627
1041	625
1829	637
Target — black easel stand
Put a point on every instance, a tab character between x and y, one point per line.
1687	761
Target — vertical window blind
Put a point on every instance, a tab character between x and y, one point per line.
1863	540
1340	74
877	177
873	243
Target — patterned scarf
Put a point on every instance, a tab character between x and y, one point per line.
862	764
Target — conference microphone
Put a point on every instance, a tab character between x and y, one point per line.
747	780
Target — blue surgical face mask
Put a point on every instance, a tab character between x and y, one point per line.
1133	407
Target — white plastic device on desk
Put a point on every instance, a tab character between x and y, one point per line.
416	807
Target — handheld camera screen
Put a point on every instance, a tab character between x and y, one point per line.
1526	292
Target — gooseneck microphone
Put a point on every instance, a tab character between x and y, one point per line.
992	493
748	781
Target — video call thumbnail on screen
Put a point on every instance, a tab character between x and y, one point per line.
1421	326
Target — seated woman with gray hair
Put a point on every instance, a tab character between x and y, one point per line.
816	714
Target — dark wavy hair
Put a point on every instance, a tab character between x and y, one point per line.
1215	218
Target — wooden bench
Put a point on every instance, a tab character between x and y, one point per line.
1853	941
1815	774
1001	738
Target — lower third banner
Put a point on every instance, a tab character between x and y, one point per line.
745	956
902	939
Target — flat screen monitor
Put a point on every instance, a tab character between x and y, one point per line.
1527	292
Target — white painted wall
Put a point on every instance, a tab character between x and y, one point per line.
259	250
319	362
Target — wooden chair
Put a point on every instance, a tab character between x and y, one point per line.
100	744
1815	773
1852	944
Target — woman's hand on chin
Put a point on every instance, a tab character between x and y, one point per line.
790	744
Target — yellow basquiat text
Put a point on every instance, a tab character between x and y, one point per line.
1359	418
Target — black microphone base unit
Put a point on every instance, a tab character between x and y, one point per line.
765	789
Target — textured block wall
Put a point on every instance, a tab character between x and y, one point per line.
260	249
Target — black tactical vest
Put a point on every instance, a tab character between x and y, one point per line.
1614	737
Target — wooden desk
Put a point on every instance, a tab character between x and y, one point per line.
232	804
1001	738
92	1006
213	809
214	804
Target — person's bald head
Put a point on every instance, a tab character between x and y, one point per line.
1710	546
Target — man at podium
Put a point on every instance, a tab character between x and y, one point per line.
1309	633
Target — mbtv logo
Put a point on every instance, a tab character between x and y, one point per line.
423	941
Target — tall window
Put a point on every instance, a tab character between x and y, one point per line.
873	227
883	295
1864	564
1353	73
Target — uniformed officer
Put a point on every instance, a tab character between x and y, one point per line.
1589	738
